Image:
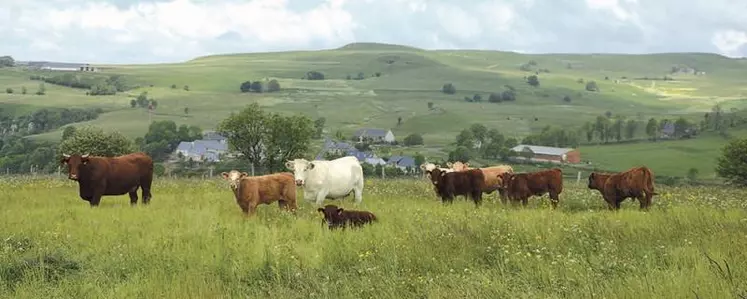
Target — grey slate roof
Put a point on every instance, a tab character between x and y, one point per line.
542	150
207	148
370	132
402	161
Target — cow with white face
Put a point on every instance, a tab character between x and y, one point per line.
332	179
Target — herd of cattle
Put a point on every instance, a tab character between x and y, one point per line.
339	178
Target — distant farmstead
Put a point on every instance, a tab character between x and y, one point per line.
374	135
547	154
61	66
210	148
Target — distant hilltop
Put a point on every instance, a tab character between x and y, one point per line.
57	66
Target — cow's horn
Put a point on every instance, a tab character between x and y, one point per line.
84	156
66	155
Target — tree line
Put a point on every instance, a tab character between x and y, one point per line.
97	85
44	120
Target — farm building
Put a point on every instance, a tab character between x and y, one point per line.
405	163
374	135
61	66
547	153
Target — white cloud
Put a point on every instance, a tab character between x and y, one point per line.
176	30
730	42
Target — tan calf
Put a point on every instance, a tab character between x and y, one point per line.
252	191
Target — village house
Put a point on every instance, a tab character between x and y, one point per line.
405	163
346	149
374	135
547	154
210	148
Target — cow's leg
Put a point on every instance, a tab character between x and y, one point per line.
358	194
320	196
554	199
145	184
252	208
133	197
95	199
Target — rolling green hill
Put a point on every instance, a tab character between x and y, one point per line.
408	80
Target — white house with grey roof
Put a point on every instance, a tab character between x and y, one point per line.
374	135
61	66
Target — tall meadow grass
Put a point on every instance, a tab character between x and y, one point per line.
193	242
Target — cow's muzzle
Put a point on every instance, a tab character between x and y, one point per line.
299	182
73	177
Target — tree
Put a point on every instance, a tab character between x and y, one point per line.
246	86
314	75
413	139
419	159
680	126
42	89
461	153
602	127
477	98
631	126
68	132
256	86
588	129
319	127
267	139
652	128
7	61
186	110
133	103
479	132
567	99
186	87
448	88
508	95
94	141
9	90
273	85
592	86
692	174
164	136
24	90
430	105
533	80
732	164
495	97
465	138
617	129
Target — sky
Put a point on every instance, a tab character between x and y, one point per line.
139	31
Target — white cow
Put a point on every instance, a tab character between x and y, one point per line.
328	179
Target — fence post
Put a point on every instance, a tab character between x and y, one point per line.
578	178
252	169
383	173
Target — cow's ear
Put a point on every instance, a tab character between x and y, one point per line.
289	164
224	175
449	164
339	210
320	210
591	176
310	166
466	164
243	174
443	173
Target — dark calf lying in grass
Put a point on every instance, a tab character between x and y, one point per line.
338	217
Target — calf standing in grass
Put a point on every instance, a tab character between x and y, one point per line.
637	182
338	217
265	189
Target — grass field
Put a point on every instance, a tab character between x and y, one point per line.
410	78
192	242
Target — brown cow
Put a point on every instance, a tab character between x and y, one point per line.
636	182
520	186
339	217
449	184
99	176
265	189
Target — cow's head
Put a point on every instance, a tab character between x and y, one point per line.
596	181
332	214
234	177
505	179
74	164
458	166
435	175
299	167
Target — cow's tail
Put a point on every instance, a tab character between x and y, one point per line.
648	176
